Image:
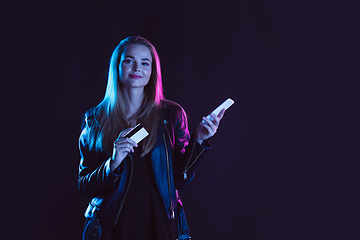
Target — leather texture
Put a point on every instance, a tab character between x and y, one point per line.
174	158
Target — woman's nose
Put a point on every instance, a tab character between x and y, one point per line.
136	68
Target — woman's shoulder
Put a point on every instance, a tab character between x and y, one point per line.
166	104
90	121
173	110
90	128
88	117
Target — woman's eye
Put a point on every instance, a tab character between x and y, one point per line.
145	64
128	61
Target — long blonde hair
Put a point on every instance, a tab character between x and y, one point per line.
107	120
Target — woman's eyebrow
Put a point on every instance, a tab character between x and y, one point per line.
145	59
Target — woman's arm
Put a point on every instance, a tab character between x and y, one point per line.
191	149
188	153
95	172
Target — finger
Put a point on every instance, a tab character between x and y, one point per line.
133	142
209	126
130	149
221	114
205	125
209	123
126	140
122	144
127	149
124	132
216	119
209	130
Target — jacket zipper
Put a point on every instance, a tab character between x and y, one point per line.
127	190
172	211
187	168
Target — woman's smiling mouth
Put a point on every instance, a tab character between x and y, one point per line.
134	76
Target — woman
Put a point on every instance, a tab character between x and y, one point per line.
133	186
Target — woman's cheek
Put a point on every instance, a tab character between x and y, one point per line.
148	73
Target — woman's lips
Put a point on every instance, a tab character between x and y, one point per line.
135	76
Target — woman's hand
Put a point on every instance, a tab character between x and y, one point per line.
122	146
209	128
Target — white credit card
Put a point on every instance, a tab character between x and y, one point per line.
137	134
226	104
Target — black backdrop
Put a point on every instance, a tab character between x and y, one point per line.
282	164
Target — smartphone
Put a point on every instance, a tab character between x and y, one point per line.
226	104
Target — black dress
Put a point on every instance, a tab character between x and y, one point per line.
143	216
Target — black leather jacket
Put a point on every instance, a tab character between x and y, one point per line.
174	158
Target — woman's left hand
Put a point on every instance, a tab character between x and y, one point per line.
209	128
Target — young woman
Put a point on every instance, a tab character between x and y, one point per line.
133	187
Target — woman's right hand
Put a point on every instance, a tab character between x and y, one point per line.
122	146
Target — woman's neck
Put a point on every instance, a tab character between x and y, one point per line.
134	98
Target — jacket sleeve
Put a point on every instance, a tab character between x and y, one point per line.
95	174
188	153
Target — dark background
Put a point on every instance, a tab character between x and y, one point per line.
284	160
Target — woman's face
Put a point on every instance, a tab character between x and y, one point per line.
135	66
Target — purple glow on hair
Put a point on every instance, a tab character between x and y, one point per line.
159	95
